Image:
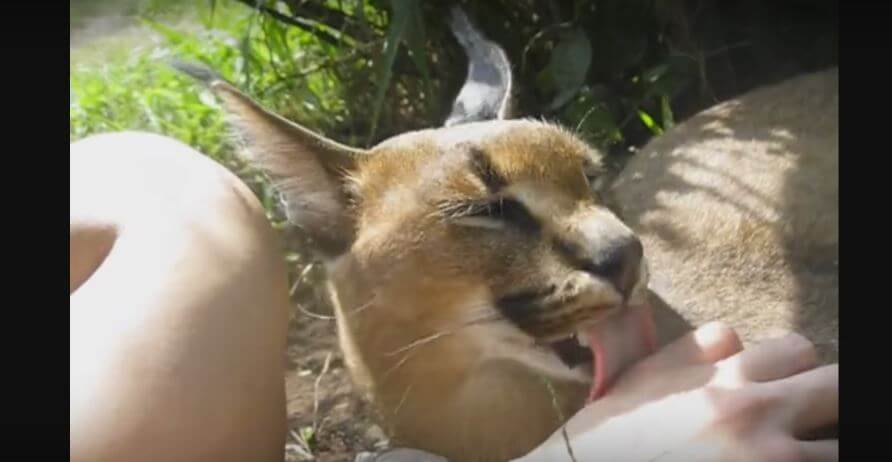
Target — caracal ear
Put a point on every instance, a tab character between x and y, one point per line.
308	170
486	93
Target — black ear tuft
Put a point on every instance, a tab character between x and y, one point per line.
197	71
486	93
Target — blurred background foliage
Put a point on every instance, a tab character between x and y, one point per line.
617	71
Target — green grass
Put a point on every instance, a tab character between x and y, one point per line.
123	82
139	93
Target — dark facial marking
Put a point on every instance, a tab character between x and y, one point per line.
516	214
523	307
536	313
572	253
617	261
495	206
506	210
483	168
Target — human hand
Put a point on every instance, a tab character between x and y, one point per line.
704	398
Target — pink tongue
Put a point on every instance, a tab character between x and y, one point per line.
618	342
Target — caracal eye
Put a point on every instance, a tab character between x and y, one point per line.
497	213
480	222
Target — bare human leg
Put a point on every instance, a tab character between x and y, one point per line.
178	308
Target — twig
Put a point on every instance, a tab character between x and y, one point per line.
316	392
269	49
300	278
399	405
302	23
567	443
311	314
301	447
293	290
353	54
587	114
560	414
334	18
547	30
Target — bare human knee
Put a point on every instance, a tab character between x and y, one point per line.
177	333
116	174
145	183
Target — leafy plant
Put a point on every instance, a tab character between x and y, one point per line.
617	71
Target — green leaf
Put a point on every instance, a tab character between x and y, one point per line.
415	41
213	5
360	13
653	74
247	51
172	36
667	78
666	112
308	435
401	12
568	67
590	116
648	121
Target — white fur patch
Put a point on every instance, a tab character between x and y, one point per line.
479	222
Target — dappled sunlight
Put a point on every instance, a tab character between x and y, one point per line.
757	175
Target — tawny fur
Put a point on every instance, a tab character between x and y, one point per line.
409	276
738	212
737	209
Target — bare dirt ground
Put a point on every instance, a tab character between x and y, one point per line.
342	422
327	420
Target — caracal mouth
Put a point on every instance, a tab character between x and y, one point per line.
603	345
591	352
